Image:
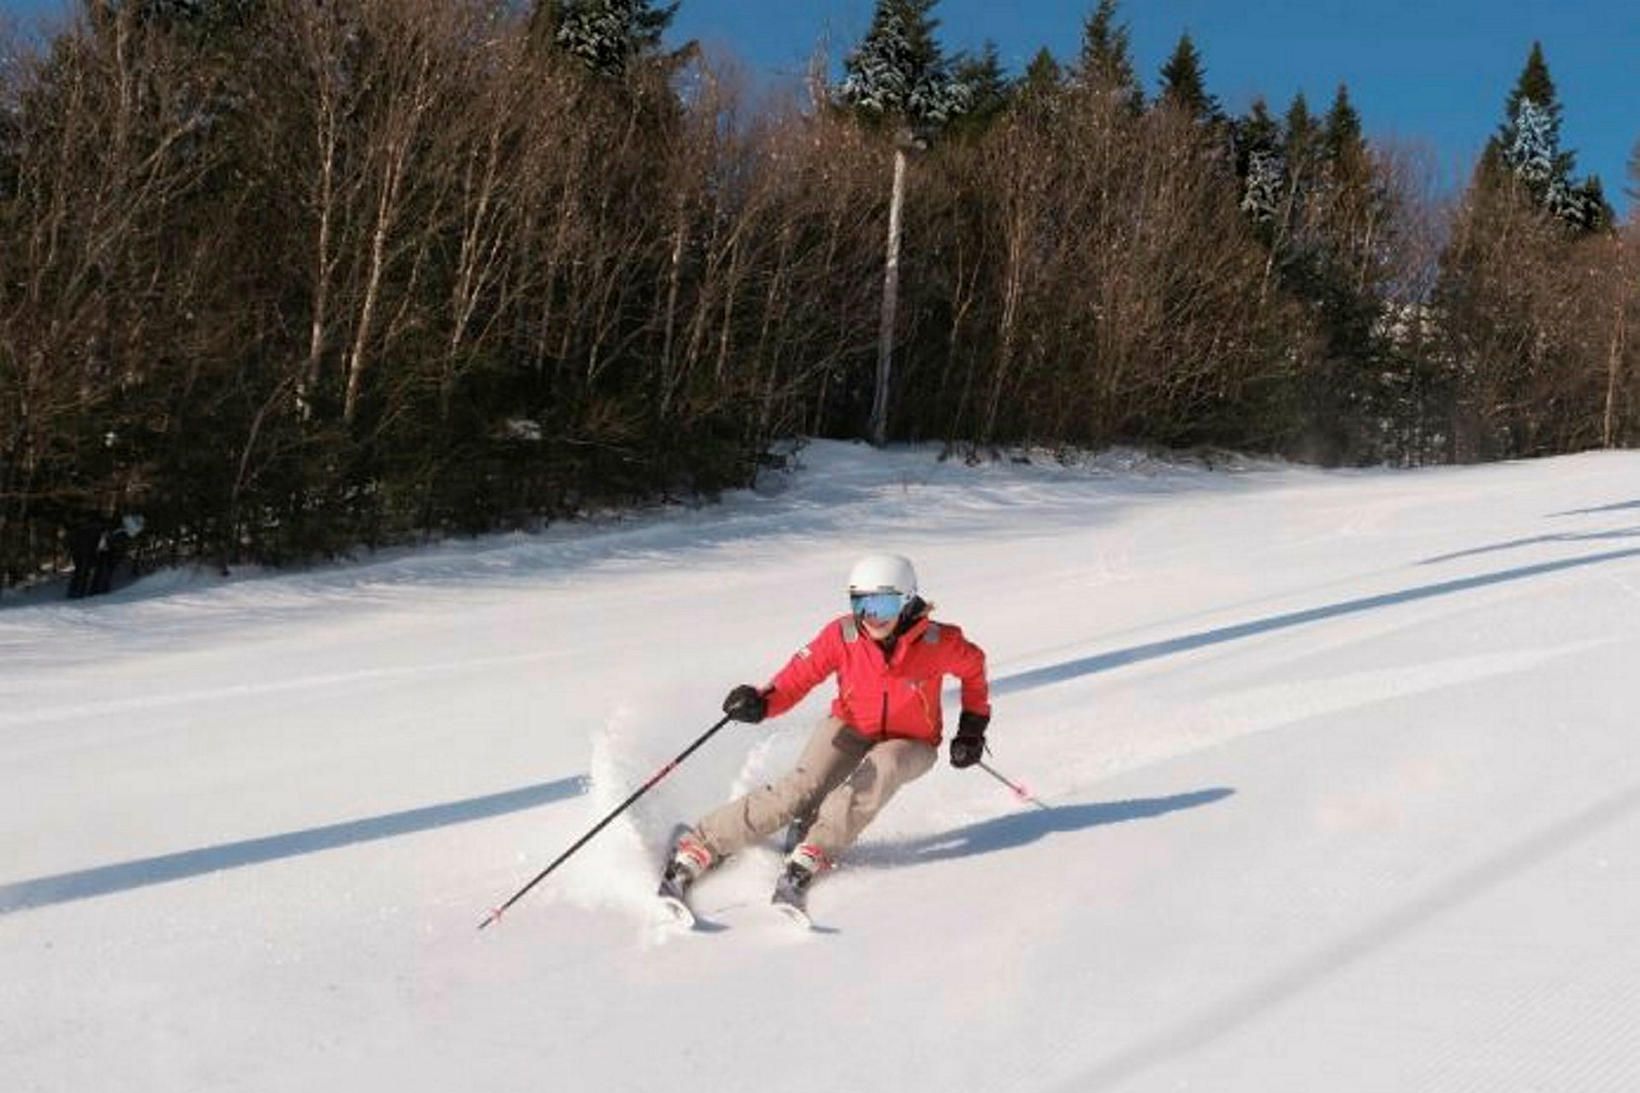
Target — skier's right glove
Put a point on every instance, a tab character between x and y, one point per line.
746	703
968	746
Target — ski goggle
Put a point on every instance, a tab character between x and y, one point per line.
877	605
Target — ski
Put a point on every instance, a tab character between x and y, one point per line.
678	913
793	913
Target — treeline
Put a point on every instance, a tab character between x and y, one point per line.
290	278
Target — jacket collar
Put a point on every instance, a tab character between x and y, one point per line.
909	630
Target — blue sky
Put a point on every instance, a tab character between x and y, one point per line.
1431	71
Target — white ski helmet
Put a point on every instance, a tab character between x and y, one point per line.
883	573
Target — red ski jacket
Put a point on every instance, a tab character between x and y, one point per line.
893	696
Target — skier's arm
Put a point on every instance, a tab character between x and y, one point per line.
968	665
807	668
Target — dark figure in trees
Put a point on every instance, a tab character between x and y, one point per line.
84	545
98	548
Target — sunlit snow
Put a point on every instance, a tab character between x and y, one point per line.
1341	774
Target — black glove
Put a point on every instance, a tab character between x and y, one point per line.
746	703
968	746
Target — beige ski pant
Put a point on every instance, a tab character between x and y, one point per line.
843	778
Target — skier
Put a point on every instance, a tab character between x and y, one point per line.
883	730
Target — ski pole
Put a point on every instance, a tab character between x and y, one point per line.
495	915
1019	788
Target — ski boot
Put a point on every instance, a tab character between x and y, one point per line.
791	890
690	858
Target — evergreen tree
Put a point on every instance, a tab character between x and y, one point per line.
1044	77
1105	60
203	15
1527	146
606	35
1184	82
987	87
1313	195
898	74
1302	144
1586	207
1301	130
1341	138
1535	85
1038	90
1633	188
1259	130
1634	176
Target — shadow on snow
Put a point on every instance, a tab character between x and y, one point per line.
1513	544
1136	654
1617	506
102	880
1019	828
997	834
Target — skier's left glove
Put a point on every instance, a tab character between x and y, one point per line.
968	746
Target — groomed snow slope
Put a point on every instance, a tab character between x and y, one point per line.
1342	774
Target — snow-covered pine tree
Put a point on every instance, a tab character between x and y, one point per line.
606	35
1535	85
1527	146
204	17
898	75
1262	189
1585	206
1532	155
1262	164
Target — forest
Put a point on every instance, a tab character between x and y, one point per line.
294	279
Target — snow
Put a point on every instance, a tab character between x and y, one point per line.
1342	790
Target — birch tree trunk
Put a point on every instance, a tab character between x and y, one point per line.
891	299
327	138
1614	357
